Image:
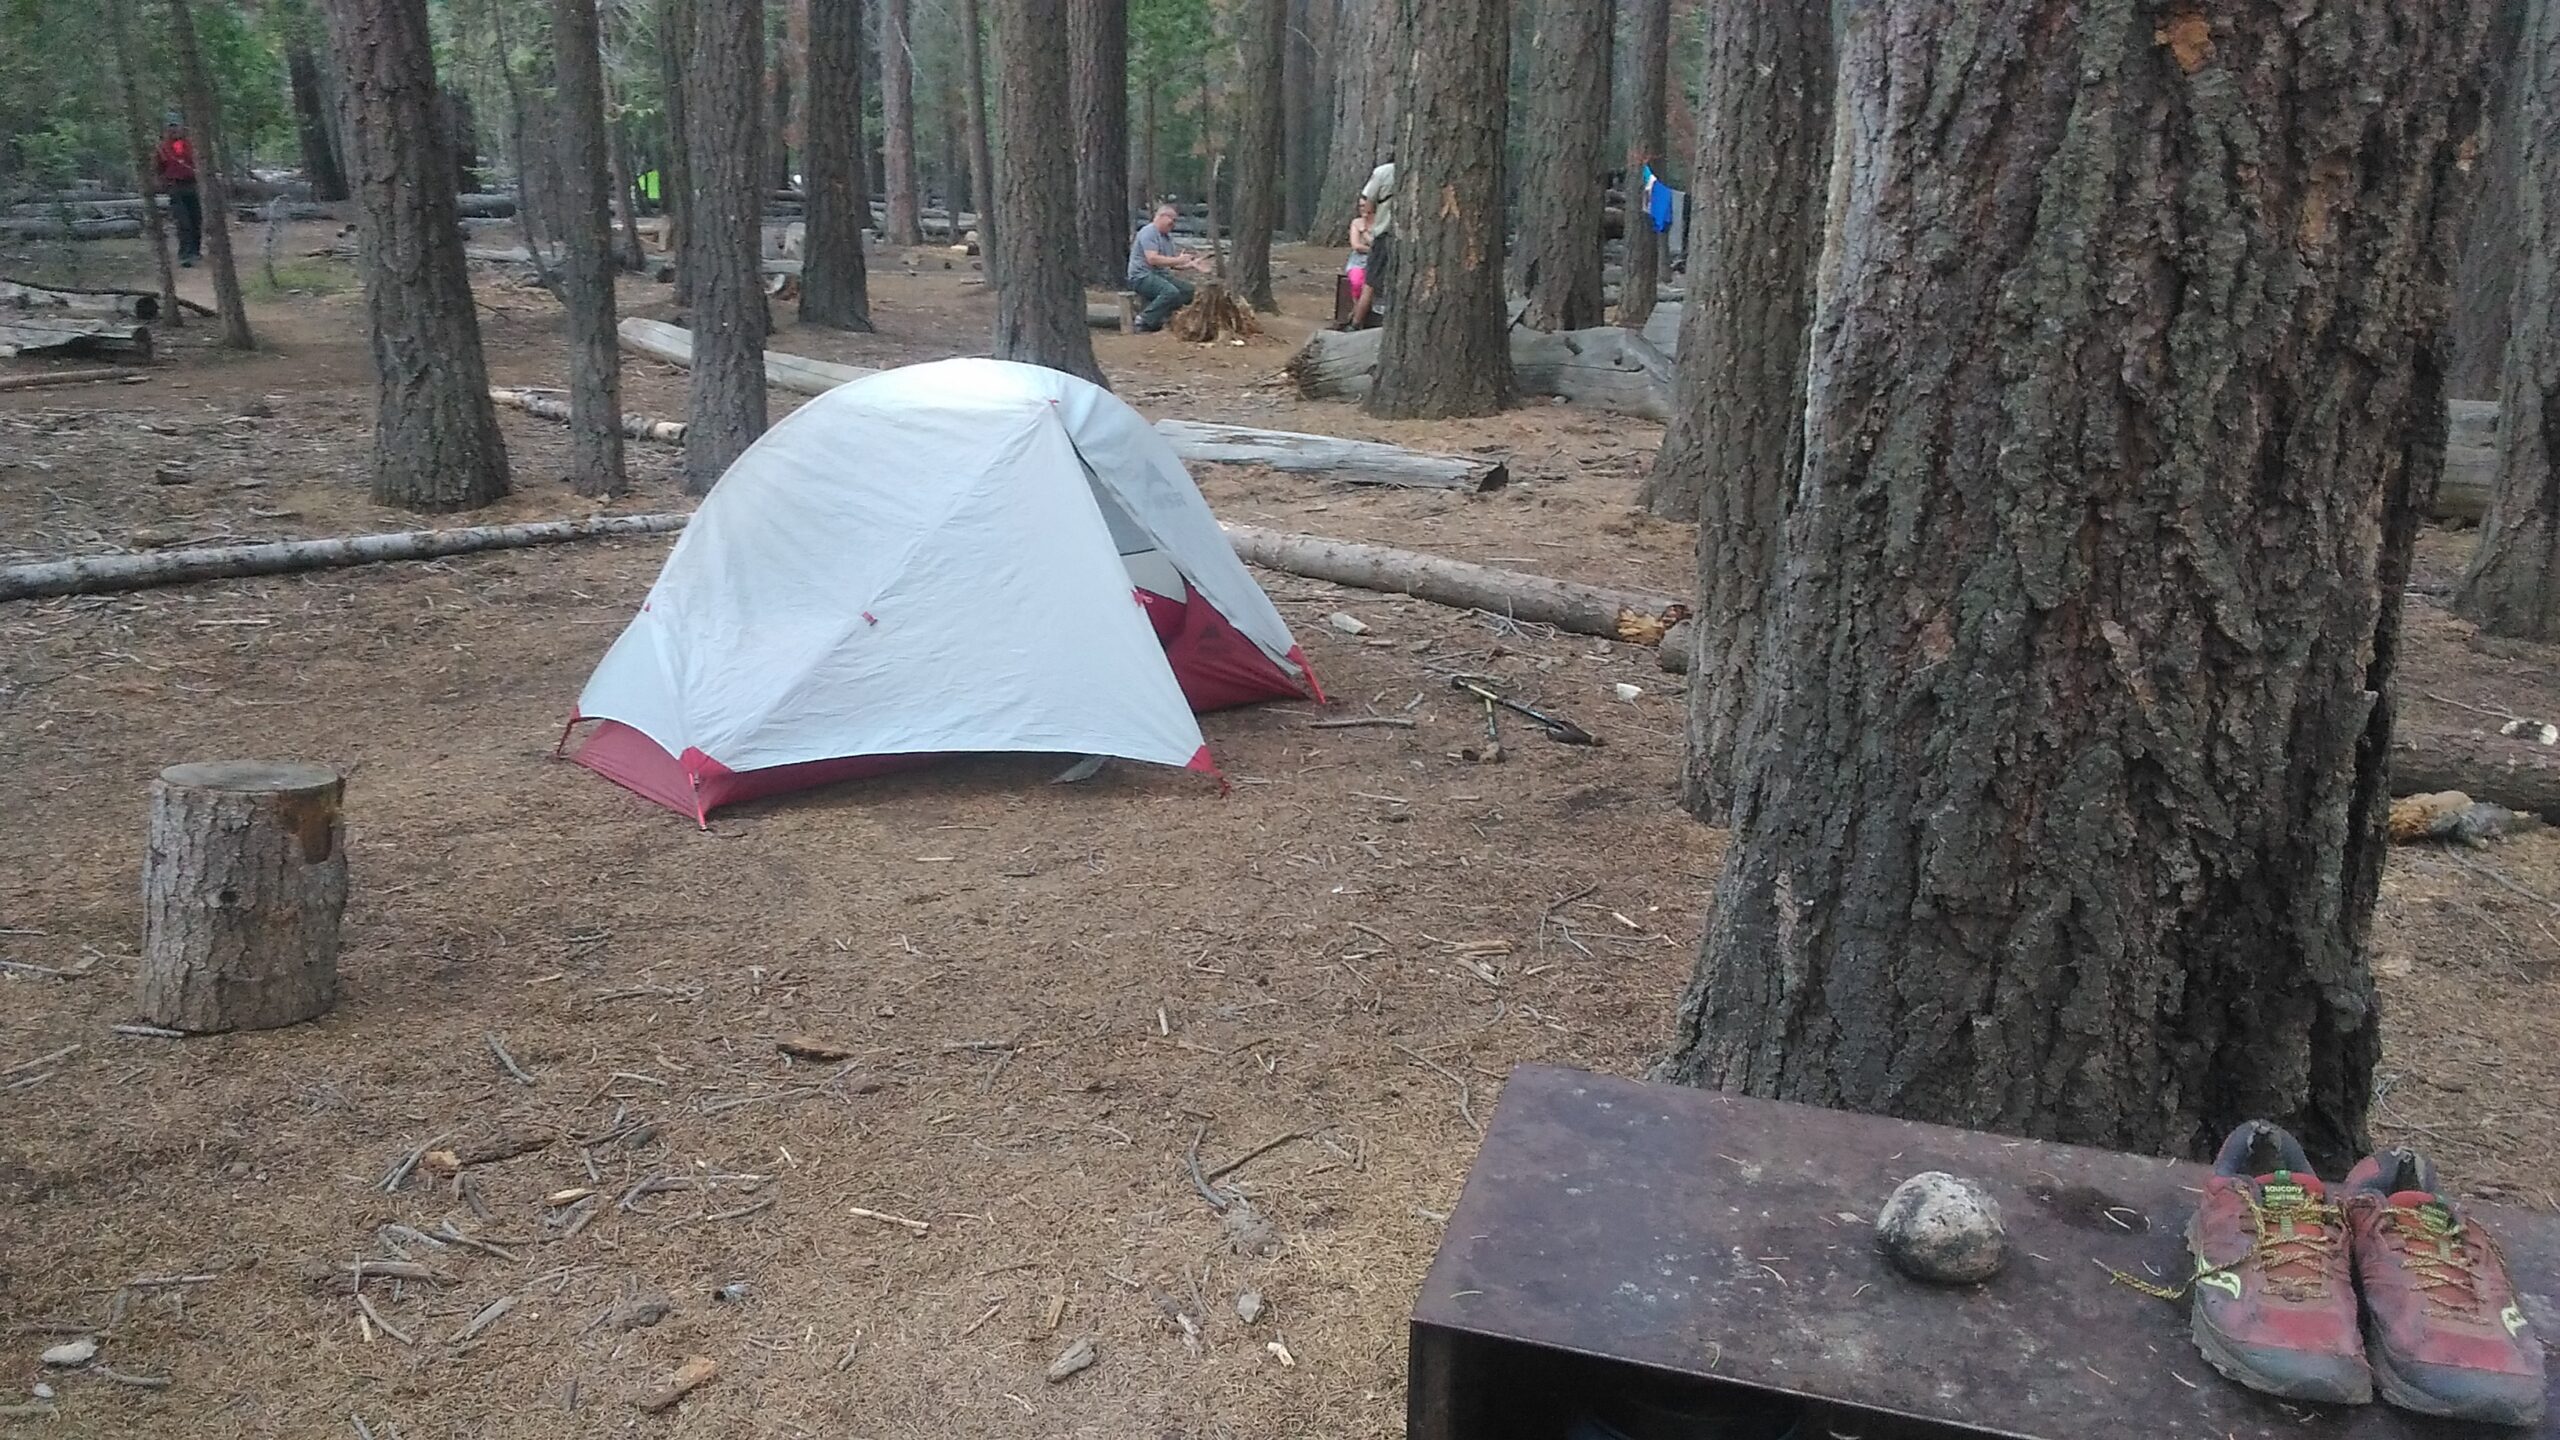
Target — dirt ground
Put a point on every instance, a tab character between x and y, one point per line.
1046	995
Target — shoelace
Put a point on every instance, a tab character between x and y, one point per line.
2442	1262
2294	1243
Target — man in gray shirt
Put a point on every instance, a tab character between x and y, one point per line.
1151	254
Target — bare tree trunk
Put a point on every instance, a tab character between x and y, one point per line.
2064	808
1368	109
1649	88
1442	351
727	397
435	436
1039	299
675	43
777	124
204	124
905	225
982	165
311	124
532	199
146	171
1735	441
1302	81
955	173
586	240
1561	192
2513	584
1098	96
2485	283
1259	140
835	285
631	255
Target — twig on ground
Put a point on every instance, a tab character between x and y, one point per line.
1466	1093
498	1048
1191	1162
139	1382
41	1060
885	1218
2504	881
447	1231
1362	722
739	1213
490	1314
400	1173
149	1032
158	1282
1256	1153
379	1323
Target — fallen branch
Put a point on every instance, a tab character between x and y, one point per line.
66	377
130	304
1358	462
73	335
1626	615
96	574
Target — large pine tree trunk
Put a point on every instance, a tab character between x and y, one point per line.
1561	190
146	173
777	120
2513	584
1303	85
213	187
2064	814
724	76
586	241
1259	140
982	165
244	879
675	42
1368	109
1098	101
311	124
435	437
905	219
2485	283
1649	90
1039	299
835	287
1730	453
1443	351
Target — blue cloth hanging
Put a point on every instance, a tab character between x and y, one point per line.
1658	201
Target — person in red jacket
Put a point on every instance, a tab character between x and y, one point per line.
177	167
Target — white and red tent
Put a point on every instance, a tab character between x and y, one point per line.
970	555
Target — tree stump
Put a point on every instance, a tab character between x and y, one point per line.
242	886
1214	313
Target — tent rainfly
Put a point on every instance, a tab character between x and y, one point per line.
935	560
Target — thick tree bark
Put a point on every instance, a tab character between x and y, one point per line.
1098	100
1259	154
146	173
629	253
1648	94
1561	193
1368	109
1039	298
982	165
2063	814
1305	81
586	240
435	443
777	121
835	285
213	152
1736	437
2485	284
904	225
1442	351
244	878
2513	584
724	73
311	125
675	43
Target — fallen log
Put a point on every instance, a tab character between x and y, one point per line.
554	405
130	304
1606	368
98	335
1628	615
99	574
1357	462
66	377
2519	774
54	228
485	207
2470	461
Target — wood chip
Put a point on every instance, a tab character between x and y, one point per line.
490	1314
1078	1356
696	1372
809	1047
885	1218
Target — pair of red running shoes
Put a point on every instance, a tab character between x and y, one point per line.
2392	1289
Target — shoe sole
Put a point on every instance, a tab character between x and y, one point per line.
2401	1393
2219	1353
